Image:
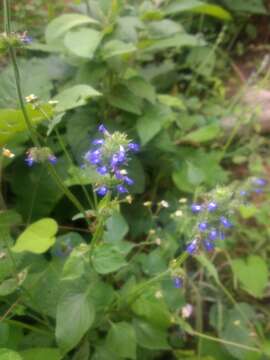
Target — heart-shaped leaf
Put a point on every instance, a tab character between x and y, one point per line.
38	237
252	274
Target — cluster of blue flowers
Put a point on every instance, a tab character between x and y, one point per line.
254	185
109	156
208	228
38	155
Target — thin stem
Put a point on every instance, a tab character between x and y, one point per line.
88	10
27	326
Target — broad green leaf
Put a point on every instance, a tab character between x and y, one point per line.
202	60
75	96
9	218
252	274
37	237
12	121
121	97
247	6
117	227
164	28
75	265
8	287
195	174
237	329
150	337
83	42
204	134
75	315
153	311
248	211
121	340
176	41
106	259
41	354
141	88
7	354
150	124
171	101
200	7
117	48
59	26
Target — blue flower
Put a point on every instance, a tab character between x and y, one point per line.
102	129
258	191
208	245
52	159
225	222
102	190
243	192
134	147
93	157
260	182
178	282
98	142
221	235
121	189
30	161
102	170
212	206
192	247
213	234
203	226
128	181
196	208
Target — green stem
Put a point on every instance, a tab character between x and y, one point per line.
27	326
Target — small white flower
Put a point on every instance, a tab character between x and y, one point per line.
53	102
152	232
147	203
178	213
129	199
158	294
7	153
182	201
158	241
31	98
123	172
164	204
187	311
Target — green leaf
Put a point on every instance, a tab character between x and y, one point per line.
150	337
37	237
248	6
7	354
74	266
171	101
12	121
247	211
153	311
106	259
82	176
175	41
150	124
117	227
74	317
83	42
204	134
59	26
121	340
117	48
122	98
252	274
9	218
77	95
198	7
8	287
41	354
141	88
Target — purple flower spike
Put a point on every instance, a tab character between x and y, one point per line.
102	170
98	142
196	208
208	245
225	222
212	206
203	226
30	161
102	129
121	189
192	247
93	157
52	159
178	282
213	235
260	182
128	181
134	147
102	190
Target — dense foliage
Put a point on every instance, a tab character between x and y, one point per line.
134	219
